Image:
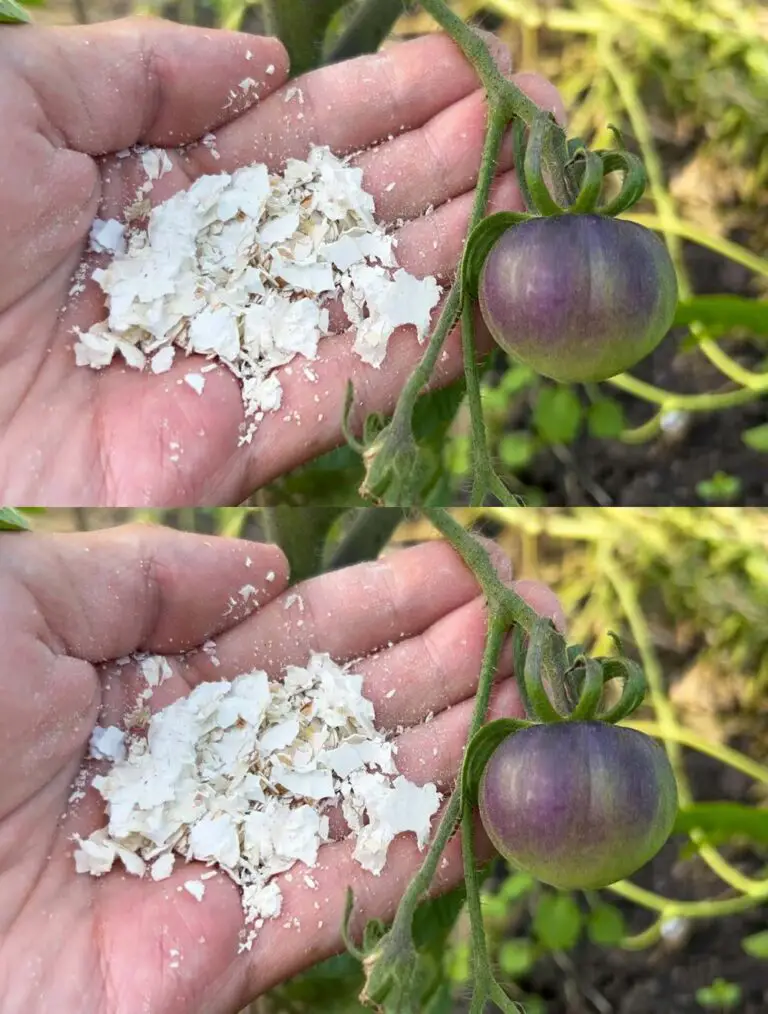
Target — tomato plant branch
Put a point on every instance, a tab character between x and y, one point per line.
399	940
501	92
710	402
399	434
482	973
514	608
709	908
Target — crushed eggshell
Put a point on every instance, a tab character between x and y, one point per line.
241	267
241	775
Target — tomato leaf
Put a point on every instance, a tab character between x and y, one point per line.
725	819
756	946
517	956
12	13
301	28
557	922
605	418
11	519
605	925
479	751
557	415
756	438
479	244
725	312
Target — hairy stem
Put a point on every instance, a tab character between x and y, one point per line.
513	608
501	92
497	628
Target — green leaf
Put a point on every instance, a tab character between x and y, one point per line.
369	530
11	519
517	449
725	312
721	994
724	818
479	751
516	886
756	438
756	946
301	535
12	13
605	925
722	488
557	922
435	918
459	967
516	378
367	29
557	415
301	27
517	956
605	418
479	244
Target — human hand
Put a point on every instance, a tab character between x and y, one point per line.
413	621
69	100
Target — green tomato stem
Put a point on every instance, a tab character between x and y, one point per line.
500	598
708	908
403	922
710	402
497	629
501	92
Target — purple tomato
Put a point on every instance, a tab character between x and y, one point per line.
578	298
578	804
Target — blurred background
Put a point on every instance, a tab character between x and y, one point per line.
687	81
687	589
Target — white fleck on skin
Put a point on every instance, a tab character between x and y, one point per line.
240	268
241	775
196	888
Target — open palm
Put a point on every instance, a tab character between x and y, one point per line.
70	99
413	623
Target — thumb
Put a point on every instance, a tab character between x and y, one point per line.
141	80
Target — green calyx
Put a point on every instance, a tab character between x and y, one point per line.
560	177
563	684
556	177
556	683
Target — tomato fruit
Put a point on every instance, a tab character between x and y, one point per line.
578	805
578	298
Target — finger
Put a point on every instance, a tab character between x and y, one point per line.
440	667
432	751
105	594
309	421
433	244
159	83
349	105
308	929
441	159
348	613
